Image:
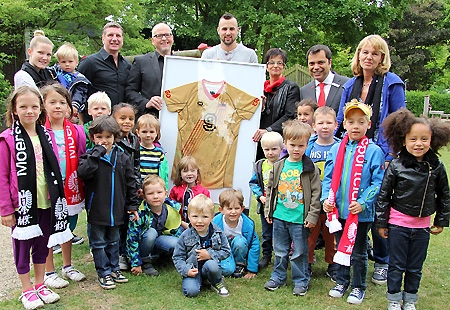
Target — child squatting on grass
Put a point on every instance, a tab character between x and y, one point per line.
293	206
414	187
200	249
241	234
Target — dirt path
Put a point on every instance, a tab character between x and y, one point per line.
9	280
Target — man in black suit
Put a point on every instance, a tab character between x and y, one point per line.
319	64
145	77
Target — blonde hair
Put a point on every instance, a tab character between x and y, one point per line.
12	102
149	120
65	51
183	164
39	38
99	97
325	110
153	179
379	45
296	129
202	204
228	196
271	138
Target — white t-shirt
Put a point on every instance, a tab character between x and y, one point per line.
232	232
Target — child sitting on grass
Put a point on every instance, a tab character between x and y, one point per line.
200	249
240	232
156	230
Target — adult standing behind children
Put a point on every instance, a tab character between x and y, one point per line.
108	69
326	88
280	96
34	72
145	78
353	174
384	91
229	49
293	206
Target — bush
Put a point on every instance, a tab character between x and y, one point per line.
438	101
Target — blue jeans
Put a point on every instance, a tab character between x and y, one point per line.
153	245
104	241
407	253
211	270
266	235
239	252
284	233
380	247
359	259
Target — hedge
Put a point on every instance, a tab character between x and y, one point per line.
438	101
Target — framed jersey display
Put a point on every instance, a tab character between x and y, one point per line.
211	111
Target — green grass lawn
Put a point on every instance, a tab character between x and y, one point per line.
164	292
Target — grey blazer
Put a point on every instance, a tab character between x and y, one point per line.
144	82
334	96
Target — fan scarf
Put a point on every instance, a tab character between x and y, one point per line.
268	88
73	189
27	222
347	241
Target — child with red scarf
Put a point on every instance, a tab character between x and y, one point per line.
71	143
354	171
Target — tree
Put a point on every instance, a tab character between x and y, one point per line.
417	41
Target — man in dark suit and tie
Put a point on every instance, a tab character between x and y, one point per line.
145	77
326	87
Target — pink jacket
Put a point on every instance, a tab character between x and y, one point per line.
177	193
8	172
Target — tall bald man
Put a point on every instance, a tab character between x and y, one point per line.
145	77
229	49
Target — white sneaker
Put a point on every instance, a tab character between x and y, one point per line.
123	263
30	300
394	305
73	274
54	281
47	295
409	306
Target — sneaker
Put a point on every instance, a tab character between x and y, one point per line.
30	300
220	289
54	281
337	291
106	282
356	296
300	290
264	262
123	262
310	269
77	240
239	272
394	305
118	277
149	270
47	295
409	306
331	272
380	274
57	249
73	274
272	285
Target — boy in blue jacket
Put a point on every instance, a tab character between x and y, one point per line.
240	232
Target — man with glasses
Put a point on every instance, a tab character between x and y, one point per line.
107	69
229	49
145	78
327	86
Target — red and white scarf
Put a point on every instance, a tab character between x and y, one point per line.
73	189
347	241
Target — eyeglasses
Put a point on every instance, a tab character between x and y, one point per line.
161	35
273	63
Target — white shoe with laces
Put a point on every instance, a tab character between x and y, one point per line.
409	306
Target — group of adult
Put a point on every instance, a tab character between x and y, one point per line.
140	83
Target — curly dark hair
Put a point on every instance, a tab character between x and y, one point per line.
398	124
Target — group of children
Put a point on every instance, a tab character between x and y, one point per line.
115	168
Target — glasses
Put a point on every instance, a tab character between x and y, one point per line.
161	35
273	63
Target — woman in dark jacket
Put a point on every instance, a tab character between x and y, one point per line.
280	97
